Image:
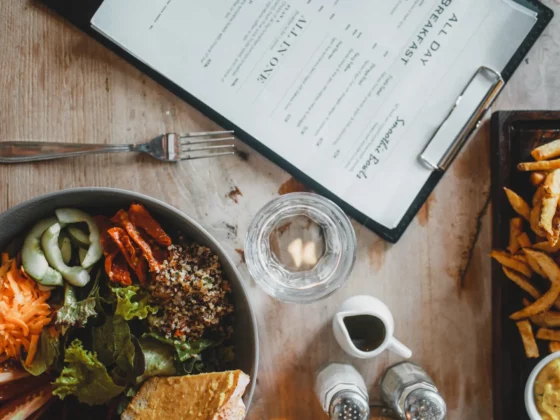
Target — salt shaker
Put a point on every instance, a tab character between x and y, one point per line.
411	393
342	392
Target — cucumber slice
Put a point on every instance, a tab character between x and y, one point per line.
51	278
65	248
76	276
81	238
82	254
95	251
33	259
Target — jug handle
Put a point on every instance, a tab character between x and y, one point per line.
399	348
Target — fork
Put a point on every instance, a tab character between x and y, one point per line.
168	147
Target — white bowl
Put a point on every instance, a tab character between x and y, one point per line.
529	391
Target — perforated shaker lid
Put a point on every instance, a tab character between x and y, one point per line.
349	405
424	404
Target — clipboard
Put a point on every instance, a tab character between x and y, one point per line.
438	154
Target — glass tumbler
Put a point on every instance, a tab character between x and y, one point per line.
300	248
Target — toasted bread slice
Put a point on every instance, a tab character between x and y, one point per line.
208	396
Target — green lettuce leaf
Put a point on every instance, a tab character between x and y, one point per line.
85	377
74	313
159	359
184	349
188	366
47	353
112	342
133	302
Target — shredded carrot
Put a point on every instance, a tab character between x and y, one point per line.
32	349
23	312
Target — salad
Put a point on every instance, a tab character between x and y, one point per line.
91	306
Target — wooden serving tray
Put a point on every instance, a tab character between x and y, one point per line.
514	135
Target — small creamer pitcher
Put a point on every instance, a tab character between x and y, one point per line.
363	326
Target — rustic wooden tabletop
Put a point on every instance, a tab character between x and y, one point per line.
58	84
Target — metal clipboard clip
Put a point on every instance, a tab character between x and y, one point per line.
451	136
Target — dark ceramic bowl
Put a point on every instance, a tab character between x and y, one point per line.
107	200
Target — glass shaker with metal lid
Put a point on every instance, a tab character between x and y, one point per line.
342	392
410	392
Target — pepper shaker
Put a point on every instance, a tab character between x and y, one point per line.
342	392
410	392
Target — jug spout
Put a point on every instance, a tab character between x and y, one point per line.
339	319
342	336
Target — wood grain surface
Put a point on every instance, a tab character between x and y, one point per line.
57	84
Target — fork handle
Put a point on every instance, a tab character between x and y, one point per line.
30	151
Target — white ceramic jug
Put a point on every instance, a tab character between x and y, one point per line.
382	321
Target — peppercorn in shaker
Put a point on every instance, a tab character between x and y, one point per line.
410	392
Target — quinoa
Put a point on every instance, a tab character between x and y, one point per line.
194	295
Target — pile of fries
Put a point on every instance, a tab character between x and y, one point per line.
533	256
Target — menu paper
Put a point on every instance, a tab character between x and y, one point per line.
349	92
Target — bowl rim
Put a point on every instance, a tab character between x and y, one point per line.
190	220
530	405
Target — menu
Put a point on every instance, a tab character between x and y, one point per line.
349	92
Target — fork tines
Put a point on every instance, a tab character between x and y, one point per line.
205	137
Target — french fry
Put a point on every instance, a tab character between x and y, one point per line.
524	241
547	319
542	304
515	229
529	343
533	263
547	264
549	314
547	151
519	205
542	165
535	212
537	177
538	196
522	282
507	260
545	246
548	334
554	346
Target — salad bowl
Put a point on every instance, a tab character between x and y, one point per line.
18	219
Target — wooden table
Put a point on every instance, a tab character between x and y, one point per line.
58	84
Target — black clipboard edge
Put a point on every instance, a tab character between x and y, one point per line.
80	13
